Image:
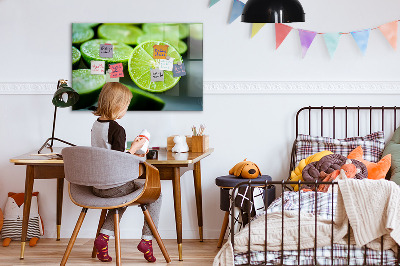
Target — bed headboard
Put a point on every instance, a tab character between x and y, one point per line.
345	121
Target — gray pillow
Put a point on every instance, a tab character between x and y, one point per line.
393	148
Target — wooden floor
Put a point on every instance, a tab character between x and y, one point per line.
50	252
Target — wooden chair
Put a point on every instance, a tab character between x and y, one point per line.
85	167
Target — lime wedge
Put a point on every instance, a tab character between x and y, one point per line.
91	51
124	33
144	101
142	61
81	33
76	57
88	86
178	44
169	30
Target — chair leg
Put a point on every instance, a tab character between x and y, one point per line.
101	222
117	239
73	237
223	229
154	230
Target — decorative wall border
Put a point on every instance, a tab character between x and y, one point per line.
247	87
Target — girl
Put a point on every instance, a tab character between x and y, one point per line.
106	133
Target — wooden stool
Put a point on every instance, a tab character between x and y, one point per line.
226	183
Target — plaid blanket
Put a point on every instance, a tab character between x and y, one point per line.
323	205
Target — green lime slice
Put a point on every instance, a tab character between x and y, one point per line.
178	44
81	33
124	33
196	31
144	101
142	61
88	86
76	57
89	25
91	51
169	30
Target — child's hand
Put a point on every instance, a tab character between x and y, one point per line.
137	144
142	155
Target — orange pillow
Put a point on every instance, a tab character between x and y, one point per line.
375	170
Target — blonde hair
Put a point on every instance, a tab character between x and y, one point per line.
112	99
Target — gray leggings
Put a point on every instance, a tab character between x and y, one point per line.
154	208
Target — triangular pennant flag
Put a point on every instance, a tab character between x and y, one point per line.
389	30
281	31
237	9
306	39
256	28
213	2
332	41
361	37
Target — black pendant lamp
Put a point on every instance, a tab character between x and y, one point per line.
273	11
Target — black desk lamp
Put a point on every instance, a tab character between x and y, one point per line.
273	11
64	97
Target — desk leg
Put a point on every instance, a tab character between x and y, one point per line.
199	204
27	206
176	182
60	190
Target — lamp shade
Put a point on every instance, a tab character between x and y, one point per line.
65	96
273	11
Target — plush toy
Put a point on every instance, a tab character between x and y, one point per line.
296	174
180	144
13	215
375	170
245	169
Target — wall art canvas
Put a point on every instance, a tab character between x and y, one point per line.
161	63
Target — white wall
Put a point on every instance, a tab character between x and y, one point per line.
35	47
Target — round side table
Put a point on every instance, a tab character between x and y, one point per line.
228	182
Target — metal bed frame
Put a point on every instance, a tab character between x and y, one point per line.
283	184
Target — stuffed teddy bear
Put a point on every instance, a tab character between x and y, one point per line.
245	169
180	144
13	215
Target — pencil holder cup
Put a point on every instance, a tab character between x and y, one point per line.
200	143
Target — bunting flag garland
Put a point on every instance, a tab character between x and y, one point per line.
237	9
361	38
332	41
256	28
281	31
213	2
306	39
389	30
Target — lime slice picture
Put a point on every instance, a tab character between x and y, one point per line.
144	101
91	51
76	57
81	33
169	30
142	61
178	44
88	86
124	33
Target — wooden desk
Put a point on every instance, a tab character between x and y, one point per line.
171	167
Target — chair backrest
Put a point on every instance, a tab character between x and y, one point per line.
91	166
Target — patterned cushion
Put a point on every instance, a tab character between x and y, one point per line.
372	144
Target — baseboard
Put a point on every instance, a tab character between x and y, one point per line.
245	87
